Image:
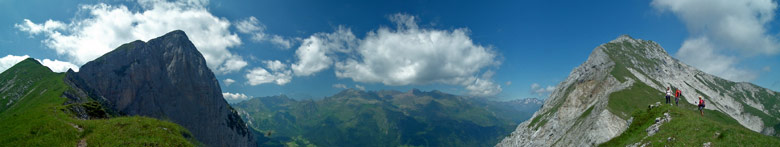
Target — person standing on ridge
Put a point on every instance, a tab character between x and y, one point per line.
701	106
677	95
668	95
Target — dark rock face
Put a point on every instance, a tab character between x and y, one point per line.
166	78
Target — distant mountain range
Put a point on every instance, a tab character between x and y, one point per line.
608	96
387	118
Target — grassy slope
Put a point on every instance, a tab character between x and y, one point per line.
688	128
640	95
39	118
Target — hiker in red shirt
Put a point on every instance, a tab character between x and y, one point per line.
701	106
677	97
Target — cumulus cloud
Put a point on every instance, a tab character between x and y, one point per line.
58	66
339	86
10	60
281	42
254	28
55	65
317	52
720	28
280	74
251	25
410	55
47	27
541	91
234	96
407	55
699	52
228	81
102	27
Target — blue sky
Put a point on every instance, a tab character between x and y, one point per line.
313	49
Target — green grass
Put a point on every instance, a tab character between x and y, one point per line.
357	118
135	131
638	96
688	128
623	53
39	117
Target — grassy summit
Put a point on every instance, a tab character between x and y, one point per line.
688	128
32	114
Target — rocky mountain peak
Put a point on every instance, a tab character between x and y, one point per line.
165	78
582	110
622	38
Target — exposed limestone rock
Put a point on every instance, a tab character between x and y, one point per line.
657	126
562	120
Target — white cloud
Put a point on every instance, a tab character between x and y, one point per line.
10	60
280	74
339	86
508	83
317	52
275	65
254	28
405	56
721	27
541	91
483	87
234	96
416	56
58	66
34	29
281	42
104	27
699	52
360	87
250	25
228	81
55	65
233	63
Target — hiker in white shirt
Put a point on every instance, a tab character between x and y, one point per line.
668	95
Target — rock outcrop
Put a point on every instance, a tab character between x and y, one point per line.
579	113
165	78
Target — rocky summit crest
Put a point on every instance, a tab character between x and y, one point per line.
165	78
594	104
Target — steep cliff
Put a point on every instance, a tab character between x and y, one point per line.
38	111
165	78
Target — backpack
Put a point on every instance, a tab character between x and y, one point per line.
702	103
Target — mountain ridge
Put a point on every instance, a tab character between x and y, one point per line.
165	78
617	78
38	111
365	118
